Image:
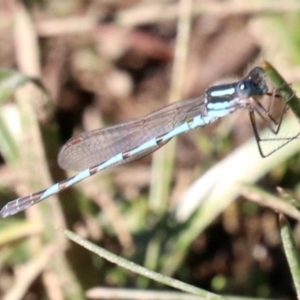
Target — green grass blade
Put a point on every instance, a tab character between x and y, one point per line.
291	252
283	88
139	269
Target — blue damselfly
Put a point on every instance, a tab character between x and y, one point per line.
93	151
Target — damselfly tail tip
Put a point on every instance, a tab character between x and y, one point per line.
11	208
4	212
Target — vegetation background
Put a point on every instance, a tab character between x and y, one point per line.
188	210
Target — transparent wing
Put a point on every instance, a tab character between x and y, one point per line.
94	147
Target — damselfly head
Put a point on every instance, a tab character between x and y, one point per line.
254	81
245	89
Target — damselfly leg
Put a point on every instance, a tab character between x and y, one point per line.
272	120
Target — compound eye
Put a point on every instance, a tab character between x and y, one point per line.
244	88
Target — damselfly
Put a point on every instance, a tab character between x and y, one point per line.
103	148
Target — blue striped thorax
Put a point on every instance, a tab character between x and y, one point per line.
235	95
